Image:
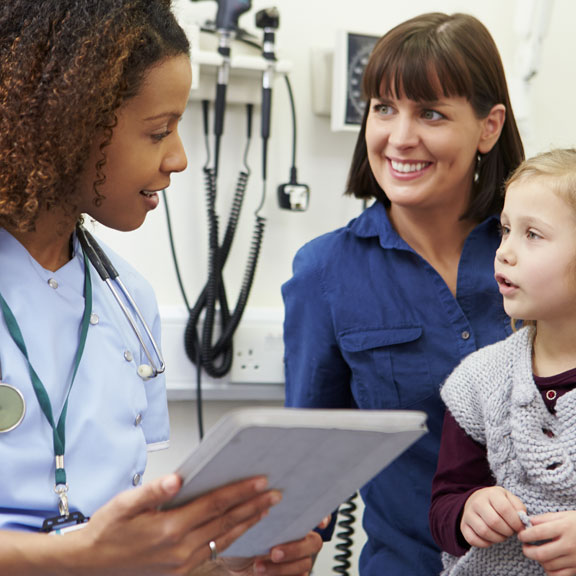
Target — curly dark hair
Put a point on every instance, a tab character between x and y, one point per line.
66	66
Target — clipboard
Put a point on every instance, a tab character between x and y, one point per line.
316	458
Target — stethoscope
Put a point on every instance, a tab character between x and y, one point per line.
110	275
12	404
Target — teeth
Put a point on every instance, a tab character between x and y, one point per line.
148	193
406	167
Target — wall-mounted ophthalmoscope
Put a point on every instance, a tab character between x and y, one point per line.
229	11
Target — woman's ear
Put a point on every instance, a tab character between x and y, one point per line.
492	128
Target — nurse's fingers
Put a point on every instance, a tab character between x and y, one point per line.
246	498
230	525
147	497
212	505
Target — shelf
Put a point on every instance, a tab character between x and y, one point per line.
246	68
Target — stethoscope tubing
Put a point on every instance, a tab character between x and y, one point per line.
109	275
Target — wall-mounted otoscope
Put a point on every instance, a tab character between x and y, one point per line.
229	11
268	20
293	195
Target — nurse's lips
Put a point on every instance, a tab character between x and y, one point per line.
150	192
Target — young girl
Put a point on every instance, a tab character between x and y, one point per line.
91	93
508	454
379	312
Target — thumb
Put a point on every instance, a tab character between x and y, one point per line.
543	518
516	502
148	496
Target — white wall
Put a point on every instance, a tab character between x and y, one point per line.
323	158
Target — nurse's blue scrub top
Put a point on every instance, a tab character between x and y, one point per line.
114	417
370	324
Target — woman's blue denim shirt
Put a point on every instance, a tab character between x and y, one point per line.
370	324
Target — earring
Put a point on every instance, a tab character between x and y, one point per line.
477	168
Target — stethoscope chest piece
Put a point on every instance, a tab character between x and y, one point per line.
12	408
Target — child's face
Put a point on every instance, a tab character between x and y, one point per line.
145	149
534	265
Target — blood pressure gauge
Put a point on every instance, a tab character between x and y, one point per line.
359	50
350	58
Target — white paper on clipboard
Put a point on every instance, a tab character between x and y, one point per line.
317	458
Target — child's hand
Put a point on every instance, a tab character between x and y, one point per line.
491	515
557	554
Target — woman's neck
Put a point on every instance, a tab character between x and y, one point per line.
439	239
49	243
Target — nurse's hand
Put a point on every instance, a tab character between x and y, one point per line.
130	536
291	559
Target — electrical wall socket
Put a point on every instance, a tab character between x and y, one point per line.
258	353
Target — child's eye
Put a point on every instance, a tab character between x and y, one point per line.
504	230
531	235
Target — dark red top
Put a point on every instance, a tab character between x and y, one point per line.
463	468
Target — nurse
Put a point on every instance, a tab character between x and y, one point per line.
91	93
379	312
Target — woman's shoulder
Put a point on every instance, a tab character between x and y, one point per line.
325	243
347	238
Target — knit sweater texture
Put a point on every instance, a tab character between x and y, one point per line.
531	452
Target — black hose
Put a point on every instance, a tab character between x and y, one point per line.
216	358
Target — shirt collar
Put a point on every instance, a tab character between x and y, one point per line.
374	221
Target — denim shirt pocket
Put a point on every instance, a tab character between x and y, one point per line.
389	367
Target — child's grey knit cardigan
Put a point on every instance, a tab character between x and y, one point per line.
493	397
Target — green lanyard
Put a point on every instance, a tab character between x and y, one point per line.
59	430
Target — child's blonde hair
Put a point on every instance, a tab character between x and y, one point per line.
559	165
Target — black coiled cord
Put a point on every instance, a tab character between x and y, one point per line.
216	359
346	511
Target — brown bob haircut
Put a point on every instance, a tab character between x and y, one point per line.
454	53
